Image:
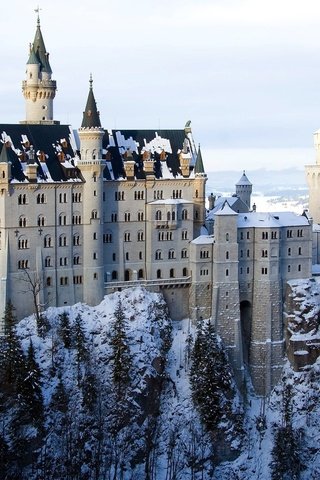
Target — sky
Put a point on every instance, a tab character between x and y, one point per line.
245	72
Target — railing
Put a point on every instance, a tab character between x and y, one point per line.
149	283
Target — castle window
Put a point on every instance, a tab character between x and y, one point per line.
76	239
158	255
227	237
168	216
114	275
127	255
94	214
127	237
41	198
63	219
227	255
77	279
76	219
264	235
94	193
94	255
241	235
140	217
248	270
184	235
299	268
62	241
126	275
158	273
63	261
140	255
197	194
273	235
114	217
22	199
41	221
184	253
248	235
204	253
76	260
241	253
95	276
185	272
23	264
289	233
299	251
289	252
62	198
241	270
47	241
140	236
264	253
23	243
158	194
119	196
76	197
171	273
49	281
139	195
248	253
158	215
264	270
47	262
184	214
289	268
107	238
22	221
227	272
63	281
127	217
114	257
171	254
140	273
94	236
300	233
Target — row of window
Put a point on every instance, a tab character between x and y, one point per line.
128	274
171	254
63	261
171	216
42	198
23	242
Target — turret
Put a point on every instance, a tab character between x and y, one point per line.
5	169
199	195
244	189
91	165
38	88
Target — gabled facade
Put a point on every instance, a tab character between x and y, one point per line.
88	212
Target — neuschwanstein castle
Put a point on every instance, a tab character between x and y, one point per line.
93	211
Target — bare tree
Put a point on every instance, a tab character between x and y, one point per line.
33	285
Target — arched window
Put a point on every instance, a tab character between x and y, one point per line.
140	217
41	221
41	198
22	221
158	215
140	236
49	282
140	273
114	275
47	262
158	255
184	214
168	216
22	243
47	241
184	235
127	217
171	254
94	214
171	272
76	239
185	272
227	237
22	199
127	237
158	273
62	241
227	255
127	275
173	216
184	253
62	219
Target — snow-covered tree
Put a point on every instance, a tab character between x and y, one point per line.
65	329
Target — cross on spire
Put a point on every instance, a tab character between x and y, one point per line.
37	10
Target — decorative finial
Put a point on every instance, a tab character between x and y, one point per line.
37	10
90	81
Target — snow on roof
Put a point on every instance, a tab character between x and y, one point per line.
170	201
203	240
271	219
225	210
244	180
158	144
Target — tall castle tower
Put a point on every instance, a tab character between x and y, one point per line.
91	165
313	179
38	88
244	189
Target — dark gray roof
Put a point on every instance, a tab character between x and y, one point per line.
91	117
40	51
199	168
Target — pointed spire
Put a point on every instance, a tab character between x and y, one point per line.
243	180
4	157
199	168
91	116
39	48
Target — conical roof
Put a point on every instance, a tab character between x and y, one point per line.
40	50
4	157
243	180
91	117
199	168
225	210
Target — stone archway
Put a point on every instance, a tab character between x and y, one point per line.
246	321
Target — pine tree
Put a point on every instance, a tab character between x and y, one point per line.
65	329
210	377
121	360
82	353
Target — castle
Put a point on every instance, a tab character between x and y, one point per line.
89	212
